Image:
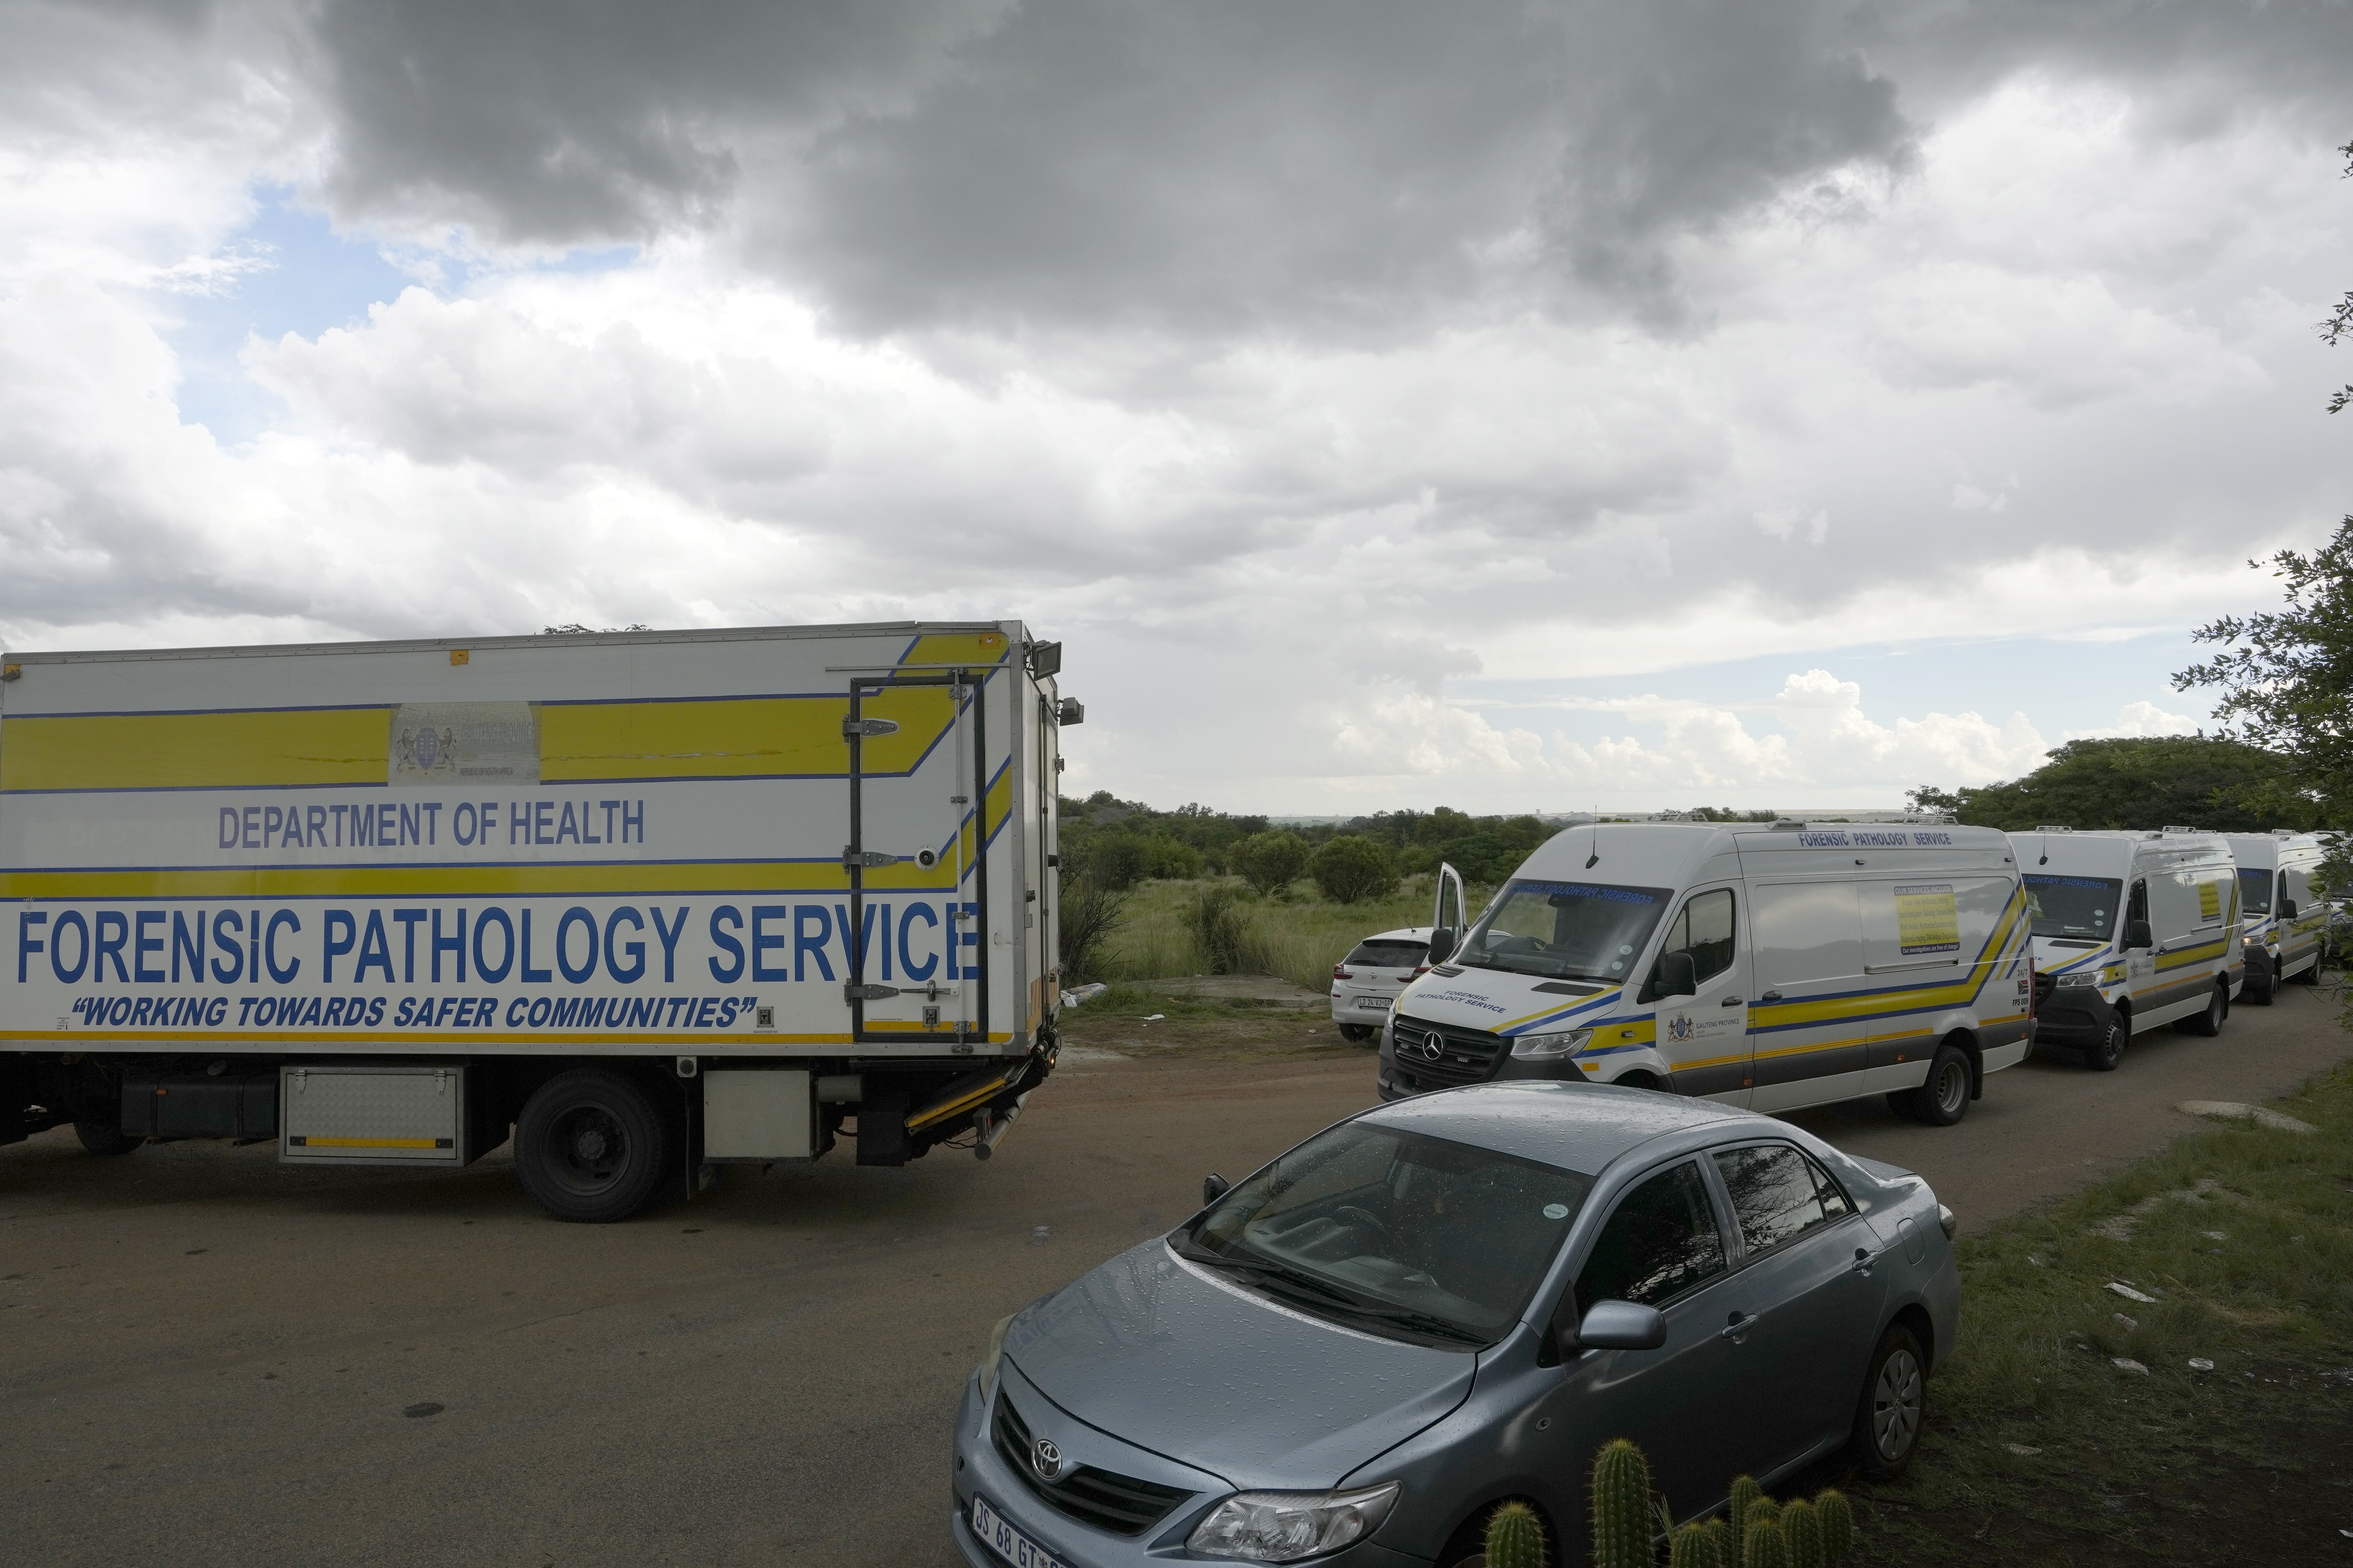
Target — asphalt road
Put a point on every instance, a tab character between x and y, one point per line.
205	1358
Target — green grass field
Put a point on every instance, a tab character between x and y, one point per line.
1299	936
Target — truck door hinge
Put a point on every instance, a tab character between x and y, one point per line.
854	728
865	858
854	992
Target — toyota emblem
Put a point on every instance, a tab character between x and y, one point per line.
1432	1047
1046	1458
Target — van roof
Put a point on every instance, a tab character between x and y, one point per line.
1668	853
2114	846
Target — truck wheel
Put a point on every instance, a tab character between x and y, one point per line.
106	1138
592	1146
1944	1098
2209	1022
2104	1054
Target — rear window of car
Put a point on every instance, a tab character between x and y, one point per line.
1387	954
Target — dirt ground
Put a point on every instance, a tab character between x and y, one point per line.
207	1357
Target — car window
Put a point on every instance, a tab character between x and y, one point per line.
1661	1241
1388	954
1702	928
1777	1193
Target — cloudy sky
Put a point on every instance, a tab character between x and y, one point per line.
1510	405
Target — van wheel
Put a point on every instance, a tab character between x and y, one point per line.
105	1139
1894	1401
2262	993
591	1146
2104	1054
1944	1098
2208	1023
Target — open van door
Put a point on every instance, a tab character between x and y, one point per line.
1446	934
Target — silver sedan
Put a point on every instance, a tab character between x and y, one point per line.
1430	1307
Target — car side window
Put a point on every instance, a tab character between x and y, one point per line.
1661	1241
1777	1193
1702	928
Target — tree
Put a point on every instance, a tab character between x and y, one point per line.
2200	781
1270	862
1352	868
2339	321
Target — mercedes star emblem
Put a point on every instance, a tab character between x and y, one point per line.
1046	1458
1432	1047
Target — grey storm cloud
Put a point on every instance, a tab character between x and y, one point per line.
1221	165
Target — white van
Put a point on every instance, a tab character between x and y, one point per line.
2131	931
1770	967
2281	920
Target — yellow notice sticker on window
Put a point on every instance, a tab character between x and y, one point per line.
1926	920
2210	899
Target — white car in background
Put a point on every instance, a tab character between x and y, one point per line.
1365	983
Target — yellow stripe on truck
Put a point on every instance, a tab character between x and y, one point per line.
366	1143
194	751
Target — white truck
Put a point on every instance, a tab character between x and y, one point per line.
655	902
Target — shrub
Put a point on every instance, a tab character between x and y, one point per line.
1270	862
1352	868
1090	912
1222	930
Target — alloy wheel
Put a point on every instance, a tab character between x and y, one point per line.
1895	1401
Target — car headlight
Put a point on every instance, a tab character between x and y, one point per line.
990	1357
1283	1526
1528	1047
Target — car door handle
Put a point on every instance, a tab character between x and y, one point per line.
1731	1001
1772	996
1863	1259
1739	1326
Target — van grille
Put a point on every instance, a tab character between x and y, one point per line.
1119	1504
1463	1056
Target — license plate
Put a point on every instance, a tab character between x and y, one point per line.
1008	1542
1380	1001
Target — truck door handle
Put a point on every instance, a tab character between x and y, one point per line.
1738	1327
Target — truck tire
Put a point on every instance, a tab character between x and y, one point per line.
2207	1022
106	1138
1943	1098
592	1147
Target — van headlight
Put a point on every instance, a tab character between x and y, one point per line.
1528	1047
1283	1526
990	1357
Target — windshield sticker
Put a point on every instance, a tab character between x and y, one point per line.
2035	879
1926	920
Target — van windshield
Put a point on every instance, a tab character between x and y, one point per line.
1565	930
2255	891
2072	906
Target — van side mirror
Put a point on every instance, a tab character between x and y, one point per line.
1213	1187
1441	945
1622	1326
2137	934
1678	974
2287	909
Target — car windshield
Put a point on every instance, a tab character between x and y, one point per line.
1381	952
1394	1232
2072	906
2255	891
1563	930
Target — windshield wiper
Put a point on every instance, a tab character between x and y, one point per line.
1345	1299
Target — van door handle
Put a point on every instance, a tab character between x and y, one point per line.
1731	1001
1738	1328
1770	997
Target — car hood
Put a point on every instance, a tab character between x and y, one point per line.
2051	958
1161	1354
1505	1003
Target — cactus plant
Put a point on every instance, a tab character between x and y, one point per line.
1837	1516
1766	1546
1719	1535
1803	1526
1619	1500
1745	1492
1763	1511
1514	1536
1694	1546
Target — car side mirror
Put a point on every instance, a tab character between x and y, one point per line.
1622	1326
2137	934
1441	945
2287	909
1213	1187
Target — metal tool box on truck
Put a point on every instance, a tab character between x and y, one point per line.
569	873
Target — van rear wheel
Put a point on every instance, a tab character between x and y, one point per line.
591	1146
2207	1022
1944	1097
